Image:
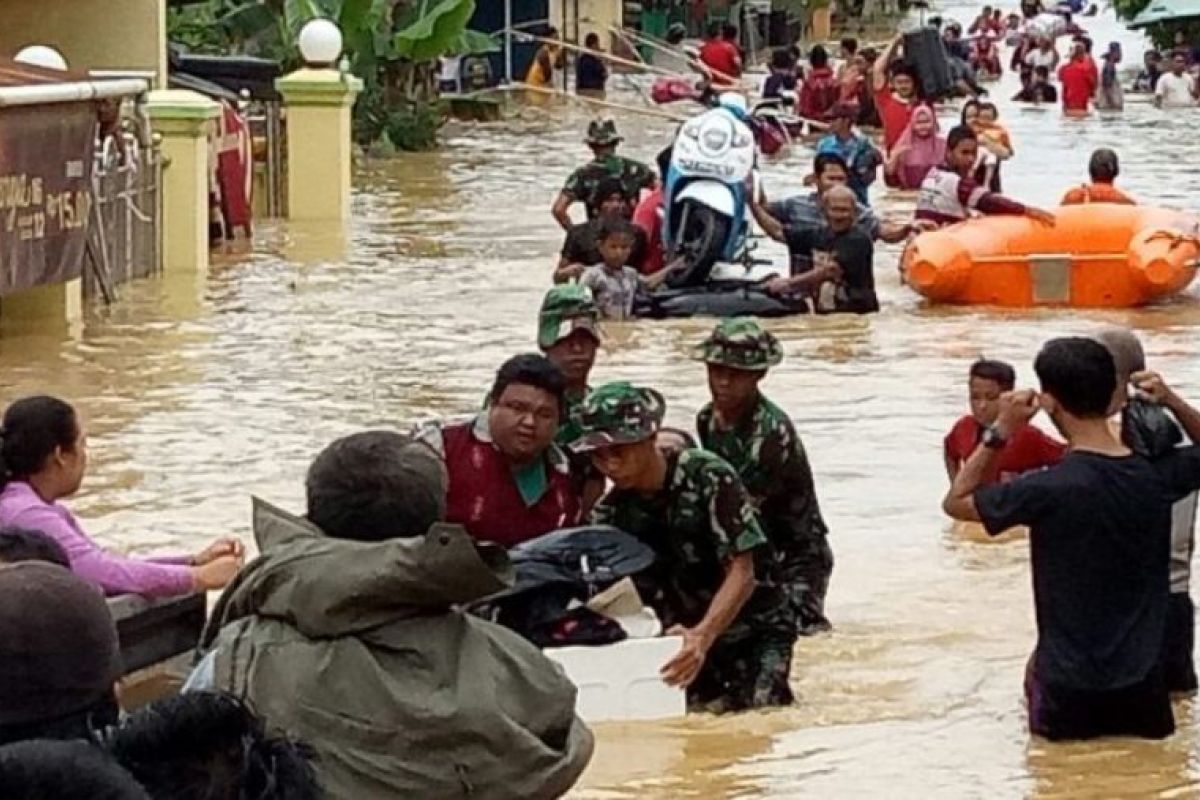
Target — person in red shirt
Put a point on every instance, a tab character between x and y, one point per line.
820	90
1026	450
895	98
1079	78
648	217
721	55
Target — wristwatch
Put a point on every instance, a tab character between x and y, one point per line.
992	439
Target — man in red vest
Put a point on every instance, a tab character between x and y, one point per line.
507	480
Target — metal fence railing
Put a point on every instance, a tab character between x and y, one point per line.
267	131
125	230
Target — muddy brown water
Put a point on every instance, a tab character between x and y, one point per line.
201	394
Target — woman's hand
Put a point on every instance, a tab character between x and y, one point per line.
225	546
216	574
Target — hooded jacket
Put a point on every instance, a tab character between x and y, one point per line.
357	649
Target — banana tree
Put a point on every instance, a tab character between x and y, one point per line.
392	45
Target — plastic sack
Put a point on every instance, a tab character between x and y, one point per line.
669	90
1148	429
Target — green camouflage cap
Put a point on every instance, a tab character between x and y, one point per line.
602	132
566	308
618	413
741	343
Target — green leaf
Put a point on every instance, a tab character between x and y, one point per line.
435	31
298	13
248	20
354	15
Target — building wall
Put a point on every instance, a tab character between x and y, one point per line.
91	34
594	15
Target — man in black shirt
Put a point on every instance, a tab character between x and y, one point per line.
1039	89
591	73
1100	526
580	250
838	257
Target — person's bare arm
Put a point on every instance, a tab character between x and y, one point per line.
996	148
735	590
567	271
656	279
895	232
561	210
959	502
1016	409
894	158
771	226
1153	386
879	77
804	281
953	465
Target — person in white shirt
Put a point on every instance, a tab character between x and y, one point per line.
1176	89
1044	55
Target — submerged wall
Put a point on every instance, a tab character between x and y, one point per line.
91	34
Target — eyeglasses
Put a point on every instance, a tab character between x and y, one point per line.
539	413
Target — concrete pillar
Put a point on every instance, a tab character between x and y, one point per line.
319	146
53	307
184	119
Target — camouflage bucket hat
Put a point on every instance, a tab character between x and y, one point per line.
618	413
566	308
741	343
602	132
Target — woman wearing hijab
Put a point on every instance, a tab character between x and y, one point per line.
920	148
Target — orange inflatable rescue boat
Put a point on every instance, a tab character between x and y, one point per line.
1097	255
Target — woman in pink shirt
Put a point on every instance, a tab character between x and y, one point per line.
43	457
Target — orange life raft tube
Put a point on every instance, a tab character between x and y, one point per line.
1094	256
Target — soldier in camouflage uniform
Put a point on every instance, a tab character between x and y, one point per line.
581	187
691	508
569	334
757	438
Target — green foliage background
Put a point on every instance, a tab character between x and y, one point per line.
392	45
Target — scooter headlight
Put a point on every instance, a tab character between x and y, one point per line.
716	139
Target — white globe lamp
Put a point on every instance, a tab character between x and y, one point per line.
320	43
39	55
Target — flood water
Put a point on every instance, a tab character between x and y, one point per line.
198	396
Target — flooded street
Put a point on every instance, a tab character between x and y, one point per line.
197	397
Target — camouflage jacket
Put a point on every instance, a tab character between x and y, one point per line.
634	176
569	430
699	519
770	459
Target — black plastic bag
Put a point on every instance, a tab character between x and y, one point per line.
1148	429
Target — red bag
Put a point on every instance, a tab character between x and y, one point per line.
669	90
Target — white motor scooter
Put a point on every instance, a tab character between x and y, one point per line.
705	200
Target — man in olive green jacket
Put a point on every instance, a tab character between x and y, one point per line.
344	634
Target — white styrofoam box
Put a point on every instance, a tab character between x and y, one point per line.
621	681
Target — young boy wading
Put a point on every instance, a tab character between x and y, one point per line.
690	507
757	439
1099	533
